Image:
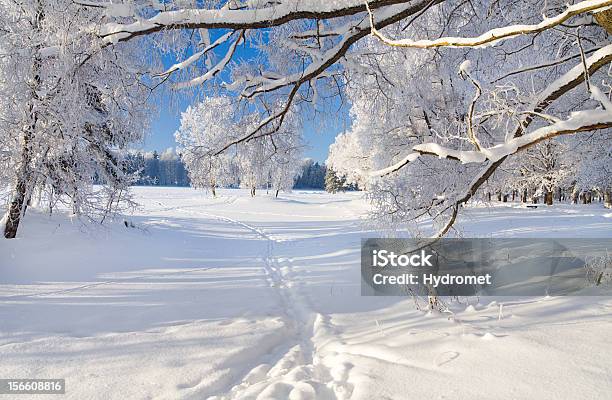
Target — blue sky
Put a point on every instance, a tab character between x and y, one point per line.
316	139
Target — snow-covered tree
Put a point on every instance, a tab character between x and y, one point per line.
67	108
254	163
514	111
204	128
284	168
543	169
595	169
310	56
333	182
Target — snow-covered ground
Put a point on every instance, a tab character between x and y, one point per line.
240	298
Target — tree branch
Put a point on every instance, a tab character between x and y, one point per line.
497	34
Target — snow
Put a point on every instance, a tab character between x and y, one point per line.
465	67
585	120
236	298
212	71
579	121
552	91
496	35
385	171
113	32
465	156
196	56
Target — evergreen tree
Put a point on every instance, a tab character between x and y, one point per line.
312	176
333	183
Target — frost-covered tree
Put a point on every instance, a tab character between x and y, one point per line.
595	169
513	106
67	109
333	182
204	128
254	163
312	55
543	169
284	167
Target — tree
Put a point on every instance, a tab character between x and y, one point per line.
152	169
543	168
310	54
259	162
505	105
595	169
333	183
285	167
203	128
311	175
67	109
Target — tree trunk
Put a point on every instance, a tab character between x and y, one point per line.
548	198
608	198
524	196
505	199
499	196
276	195
489	196
22	192
17	208
604	18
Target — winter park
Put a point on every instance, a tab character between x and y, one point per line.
306	199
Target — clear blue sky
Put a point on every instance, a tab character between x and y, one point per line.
317	140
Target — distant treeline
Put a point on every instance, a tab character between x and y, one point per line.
311	177
167	169
154	169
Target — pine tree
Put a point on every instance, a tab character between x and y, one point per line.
333	183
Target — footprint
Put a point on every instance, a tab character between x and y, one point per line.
275	391
302	391
257	374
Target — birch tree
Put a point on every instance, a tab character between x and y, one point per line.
68	107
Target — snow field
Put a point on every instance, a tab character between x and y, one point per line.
240	298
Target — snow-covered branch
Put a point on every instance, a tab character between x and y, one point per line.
578	122
498	34
215	69
352	34
258	18
195	57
